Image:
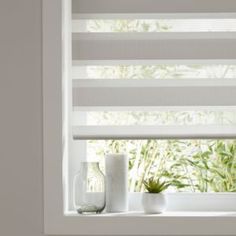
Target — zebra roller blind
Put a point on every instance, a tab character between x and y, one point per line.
143	58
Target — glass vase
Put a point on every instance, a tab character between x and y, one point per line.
89	189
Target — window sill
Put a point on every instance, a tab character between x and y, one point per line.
137	223
165	214
187	214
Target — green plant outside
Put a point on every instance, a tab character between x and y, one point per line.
190	165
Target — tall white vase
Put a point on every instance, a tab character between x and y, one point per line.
116	183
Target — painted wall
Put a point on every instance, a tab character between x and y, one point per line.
20	118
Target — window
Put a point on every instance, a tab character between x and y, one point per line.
156	80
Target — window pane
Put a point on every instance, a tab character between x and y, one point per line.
155	25
165	71
190	165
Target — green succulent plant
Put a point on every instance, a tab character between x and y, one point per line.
155	185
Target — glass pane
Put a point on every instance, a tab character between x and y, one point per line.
164	71
155	25
189	165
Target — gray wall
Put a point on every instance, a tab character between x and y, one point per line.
20	118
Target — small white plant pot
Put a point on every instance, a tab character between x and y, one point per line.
154	203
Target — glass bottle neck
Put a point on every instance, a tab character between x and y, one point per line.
90	165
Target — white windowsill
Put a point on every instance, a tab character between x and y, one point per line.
164	214
137	223
187	213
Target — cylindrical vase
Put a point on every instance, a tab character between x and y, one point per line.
116	183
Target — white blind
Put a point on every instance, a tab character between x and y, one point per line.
216	45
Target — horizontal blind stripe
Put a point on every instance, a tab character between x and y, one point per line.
147	62
153	132
119	16
152	6
153	36
156	96
163	49
150	83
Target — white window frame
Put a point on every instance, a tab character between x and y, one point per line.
56	148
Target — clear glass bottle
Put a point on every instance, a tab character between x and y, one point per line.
89	189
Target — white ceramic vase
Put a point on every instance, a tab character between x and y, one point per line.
154	203
116	183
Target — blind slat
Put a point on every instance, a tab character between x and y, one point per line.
163	49
150	83
153	132
152	6
154	36
155	96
